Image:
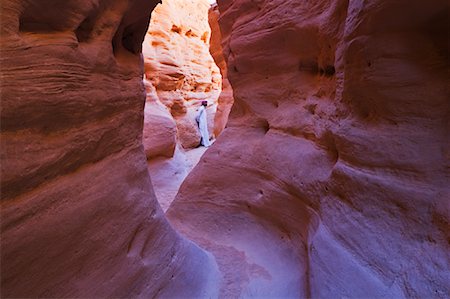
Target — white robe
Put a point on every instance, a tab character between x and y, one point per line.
203	126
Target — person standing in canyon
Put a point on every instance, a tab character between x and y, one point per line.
203	124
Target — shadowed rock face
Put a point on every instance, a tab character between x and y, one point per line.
78	214
330	180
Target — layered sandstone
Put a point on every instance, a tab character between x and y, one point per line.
225	101
79	217
330	180
178	64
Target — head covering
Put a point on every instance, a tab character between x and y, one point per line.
204	103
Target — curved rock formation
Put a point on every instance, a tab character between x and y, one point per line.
330	180
178	64
78	214
160	130
225	101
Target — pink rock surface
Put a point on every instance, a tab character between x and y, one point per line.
160	130
178	64
79	217
225	101
330	180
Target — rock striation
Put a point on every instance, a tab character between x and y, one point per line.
179	66
330	180
79	217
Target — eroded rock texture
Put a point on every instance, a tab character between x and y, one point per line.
225	101
78	214
178	64
330	180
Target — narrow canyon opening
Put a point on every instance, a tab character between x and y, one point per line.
183	68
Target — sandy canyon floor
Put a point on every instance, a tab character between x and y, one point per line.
167	174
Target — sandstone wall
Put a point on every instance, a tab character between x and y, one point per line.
225	101
178	64
330	180
78	213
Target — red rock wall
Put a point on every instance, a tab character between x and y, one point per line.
330	180
78	213
225	101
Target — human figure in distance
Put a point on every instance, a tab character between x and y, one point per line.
203	124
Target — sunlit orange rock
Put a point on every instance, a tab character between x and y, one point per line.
178	64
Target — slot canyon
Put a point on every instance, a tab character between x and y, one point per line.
328	173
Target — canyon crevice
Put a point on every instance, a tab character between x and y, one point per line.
180	72
328	180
